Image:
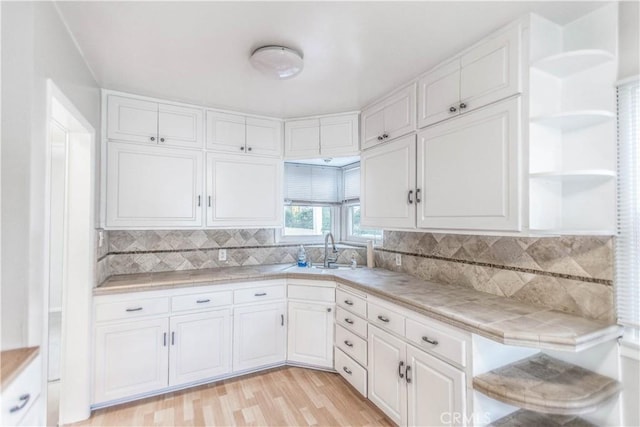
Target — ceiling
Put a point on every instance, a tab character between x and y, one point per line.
354	52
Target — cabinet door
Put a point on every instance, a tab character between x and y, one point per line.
225	132
387	363
200	346
179	126
302	139
310	334
132	120
387	174
372	125
244	190
264	137
491	71
339	136
259	334
400	113
153	186
131	358
439	94
469	172
436	392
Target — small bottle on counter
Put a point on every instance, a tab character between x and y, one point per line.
302	257
354	262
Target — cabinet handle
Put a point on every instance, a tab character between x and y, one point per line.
134	309
202	301
380	138
282	320
199	201
400	374
348	302
261	294
348	343
24	399
209	201
453	109
406	372
463	106
349	321
173	338
418	199
153	138
241	148
164	340
347	370
161	139
384	319
430	341
385	135
409	197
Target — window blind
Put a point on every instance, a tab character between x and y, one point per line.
311	184
352	183
628	239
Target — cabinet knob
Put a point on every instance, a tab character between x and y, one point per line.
453	109
248	148
385	135
463	106
241	148
153	138
161	139
380	138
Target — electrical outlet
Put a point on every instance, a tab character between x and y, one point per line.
222	255
398	259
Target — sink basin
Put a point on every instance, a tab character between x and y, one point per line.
334	267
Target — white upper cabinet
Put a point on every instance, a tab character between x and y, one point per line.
244	191
468	171
388	179
233	133
142	193
482	75
390	118
135	120
330	136
264	137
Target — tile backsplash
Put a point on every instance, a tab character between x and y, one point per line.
573	274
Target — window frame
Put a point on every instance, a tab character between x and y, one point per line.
335	226
346	225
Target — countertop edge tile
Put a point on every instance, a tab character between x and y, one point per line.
387	285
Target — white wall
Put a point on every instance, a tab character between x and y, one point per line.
35	46
629	39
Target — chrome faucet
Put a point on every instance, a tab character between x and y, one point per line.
328	260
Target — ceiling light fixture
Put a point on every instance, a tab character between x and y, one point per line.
277	61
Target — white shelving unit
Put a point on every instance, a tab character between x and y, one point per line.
572	134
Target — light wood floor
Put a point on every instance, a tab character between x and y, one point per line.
281	397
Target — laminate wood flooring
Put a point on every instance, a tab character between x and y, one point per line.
280	397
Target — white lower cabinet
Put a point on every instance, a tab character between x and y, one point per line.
310	334
200	346
259	334
412	387
131	358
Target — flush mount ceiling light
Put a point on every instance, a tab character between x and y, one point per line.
278	62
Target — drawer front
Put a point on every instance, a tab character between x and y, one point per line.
201	301
355	374
351	303
259	294
311	293
385	318
437	341
21	394
352	322
351	344
131	309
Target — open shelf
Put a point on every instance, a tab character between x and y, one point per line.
577	175
530	418
572	120
544	384
567	63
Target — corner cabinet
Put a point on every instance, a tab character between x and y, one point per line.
326	136
244	191
468	171
237	134
390	118
140	192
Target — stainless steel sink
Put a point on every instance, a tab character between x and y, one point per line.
333	267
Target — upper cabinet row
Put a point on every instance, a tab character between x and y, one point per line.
328	136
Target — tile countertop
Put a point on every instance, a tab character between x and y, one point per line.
498	318
13	362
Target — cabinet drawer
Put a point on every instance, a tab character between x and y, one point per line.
351	303
355	374
441	341
351	344
131	309
22	393
351	322
385	318
201	301
263	293
311	293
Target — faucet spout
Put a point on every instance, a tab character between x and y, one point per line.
328	260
